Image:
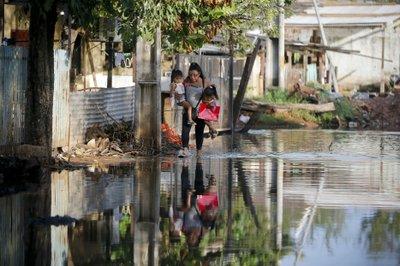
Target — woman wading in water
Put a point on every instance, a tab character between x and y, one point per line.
194	84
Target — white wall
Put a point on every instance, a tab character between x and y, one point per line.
363	68
99	80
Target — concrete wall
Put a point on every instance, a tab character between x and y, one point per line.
94	69
272	63
255	88
364	68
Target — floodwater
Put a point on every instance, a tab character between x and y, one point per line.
284	197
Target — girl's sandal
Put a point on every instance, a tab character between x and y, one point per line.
213	134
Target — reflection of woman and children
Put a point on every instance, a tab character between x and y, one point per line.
199	98
198	211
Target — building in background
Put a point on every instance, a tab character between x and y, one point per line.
358	36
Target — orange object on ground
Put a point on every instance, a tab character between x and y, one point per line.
170	135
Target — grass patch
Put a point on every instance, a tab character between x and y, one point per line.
328	120
279	96
318	86
344	109
300	118
304	115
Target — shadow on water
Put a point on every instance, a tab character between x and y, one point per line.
287	207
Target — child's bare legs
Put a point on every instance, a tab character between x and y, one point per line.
189	109
213	131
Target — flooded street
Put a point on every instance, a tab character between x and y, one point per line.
284	197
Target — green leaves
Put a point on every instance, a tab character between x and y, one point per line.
186	24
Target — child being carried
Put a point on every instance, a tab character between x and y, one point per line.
209	108
177	88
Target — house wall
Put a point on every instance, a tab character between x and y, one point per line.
93	63
255	87
364	68
94	69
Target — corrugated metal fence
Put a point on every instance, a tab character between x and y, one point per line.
13	84
74	112
99	107
61	99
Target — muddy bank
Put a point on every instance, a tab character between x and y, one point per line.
362	111
379	113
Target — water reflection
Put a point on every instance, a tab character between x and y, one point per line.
289	206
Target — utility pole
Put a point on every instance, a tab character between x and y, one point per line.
382	87
332	71
148	93
281	54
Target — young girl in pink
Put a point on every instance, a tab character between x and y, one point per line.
209	108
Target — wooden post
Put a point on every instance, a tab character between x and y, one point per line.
244	81
305	64
325	42
321	68
279	199
382	87
281	44
110	53
177	61
69	36
289	77
261	83
231	123
229	231
148	93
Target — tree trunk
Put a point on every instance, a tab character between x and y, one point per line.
255	106
40	74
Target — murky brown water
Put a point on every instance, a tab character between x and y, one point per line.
279	198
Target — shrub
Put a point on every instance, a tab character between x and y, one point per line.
279	96
304	115
344	109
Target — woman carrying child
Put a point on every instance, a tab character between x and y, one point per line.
194	84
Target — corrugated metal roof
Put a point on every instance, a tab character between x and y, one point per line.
366	10
311	20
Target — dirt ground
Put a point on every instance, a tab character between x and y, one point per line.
380	113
